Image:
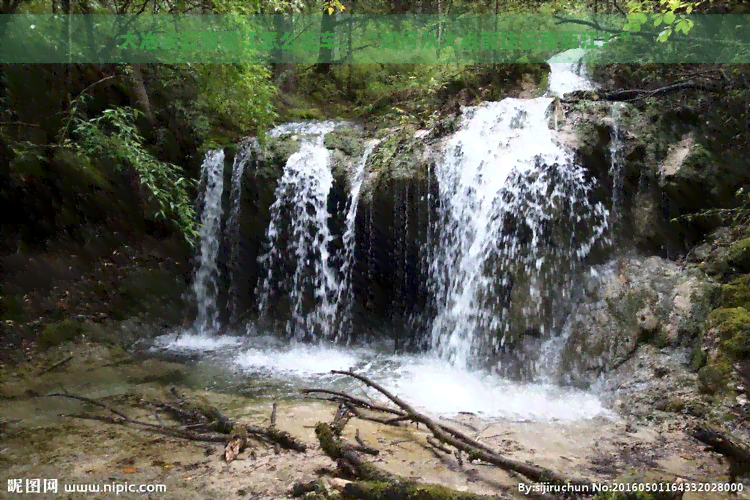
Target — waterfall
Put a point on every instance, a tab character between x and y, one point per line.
567	72
344	295
205	286
616	169
298	263
242	157
516	218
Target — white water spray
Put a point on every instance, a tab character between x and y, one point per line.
205	286
345	297
242	157
299	231
506	187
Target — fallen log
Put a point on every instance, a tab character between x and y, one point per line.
372	483
473	448
737	452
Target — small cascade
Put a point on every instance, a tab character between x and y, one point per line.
616	169
297	261
345	296
205	286
242	157
568	73
516	221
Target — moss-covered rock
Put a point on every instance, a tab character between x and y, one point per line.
738	255
732	327
404	491
698	358
347	139
715	376
736	293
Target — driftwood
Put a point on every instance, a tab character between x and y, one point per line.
199	423
474	449
56	365
211	418
370	482
737	452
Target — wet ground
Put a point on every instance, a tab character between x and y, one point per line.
37	443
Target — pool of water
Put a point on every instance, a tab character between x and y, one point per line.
262	365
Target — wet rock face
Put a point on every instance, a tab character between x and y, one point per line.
671	167
395	220
258	187
634	301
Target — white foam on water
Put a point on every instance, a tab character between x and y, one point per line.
300	360
440	388
426	382
187	342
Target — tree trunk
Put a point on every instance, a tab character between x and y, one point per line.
325	54
138	94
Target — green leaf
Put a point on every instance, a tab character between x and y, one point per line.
669	18
664	35
658	18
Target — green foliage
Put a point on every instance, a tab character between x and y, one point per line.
114	134
669	15
240	94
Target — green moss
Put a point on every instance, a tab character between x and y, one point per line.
672	405
396	158
345	139
57	333
698	358
714	377
733	328
738	255
404	491
736	293
305	114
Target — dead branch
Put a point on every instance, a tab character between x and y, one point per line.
634	94
343	415
396	422
364	447
474	449
211	425
354	400
438	445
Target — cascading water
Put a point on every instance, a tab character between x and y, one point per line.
243	156
616	169
298	262
567	72
514	220
514	209
205	286
344	296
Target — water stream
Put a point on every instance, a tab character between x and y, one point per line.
205	286
507	187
